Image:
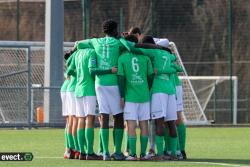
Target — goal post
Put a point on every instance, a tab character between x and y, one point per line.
198	91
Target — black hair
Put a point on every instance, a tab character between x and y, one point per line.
147	39
109	27
131	38
135	30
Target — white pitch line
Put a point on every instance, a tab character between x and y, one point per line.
204	163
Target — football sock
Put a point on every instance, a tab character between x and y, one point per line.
159	144
178	143
166	140
76	143
132	144
105	140
126	141
181	129
66	138
89	136
118	136
81	140
100	147
173	145
71	141
144	143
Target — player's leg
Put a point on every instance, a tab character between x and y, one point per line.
80	136
126	151
104	130
143	117
100	146
170	123
132	140
102	95
75	127
181	127
115	108
158	110
70	138
89	108
131	116
151	128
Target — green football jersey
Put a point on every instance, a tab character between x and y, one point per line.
85	85
72	81
161	61
135	68
107	49
65	85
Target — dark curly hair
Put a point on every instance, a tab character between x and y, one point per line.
109	26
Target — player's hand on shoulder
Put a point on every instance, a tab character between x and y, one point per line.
114	70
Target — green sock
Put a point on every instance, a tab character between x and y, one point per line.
105	140
66	138
76	143
132	144
89	135
71	141
159	144
100	146
81	140
181	129
173	145
144	144
118	136
126	141
178	143
166	139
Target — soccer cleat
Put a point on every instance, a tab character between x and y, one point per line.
179	156
145	158
106	157
77	154
66	154
150	154
71	154
82	156
184	155
93	157
131	158
100	154
118	157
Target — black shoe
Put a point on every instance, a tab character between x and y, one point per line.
82	156
93	157
184	155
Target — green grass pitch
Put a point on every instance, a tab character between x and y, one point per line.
205	147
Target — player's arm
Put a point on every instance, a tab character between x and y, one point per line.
121	82
150	74
87	43
71	70
177	67
93	70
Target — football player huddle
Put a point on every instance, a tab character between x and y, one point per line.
134	78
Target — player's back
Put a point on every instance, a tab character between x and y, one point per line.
85	84
135	68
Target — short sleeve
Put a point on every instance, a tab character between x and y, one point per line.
120	66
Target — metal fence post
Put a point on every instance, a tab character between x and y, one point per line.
29	87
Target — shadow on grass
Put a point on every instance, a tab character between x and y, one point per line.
227	161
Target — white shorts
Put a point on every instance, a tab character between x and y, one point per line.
137	111
85	106
179	98
163	105
108	98
71	103
64	104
